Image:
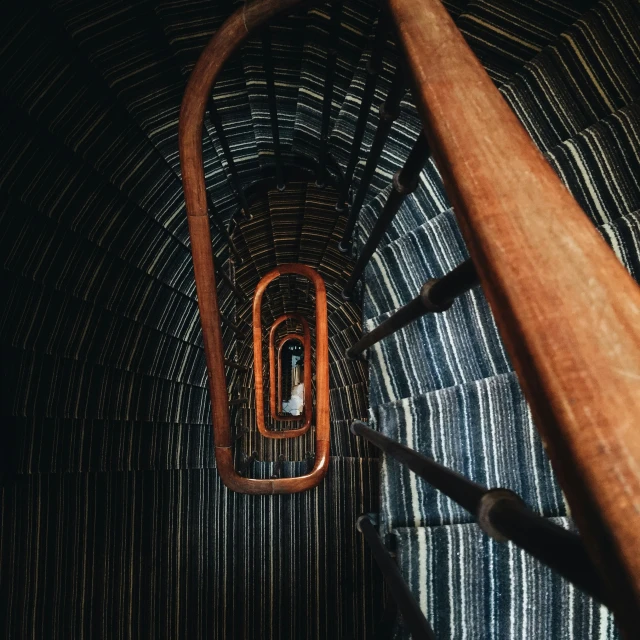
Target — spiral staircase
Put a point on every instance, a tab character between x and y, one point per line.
115	521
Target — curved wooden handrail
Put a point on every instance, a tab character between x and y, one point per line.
322	353
305	338
242	23
281	343
568	311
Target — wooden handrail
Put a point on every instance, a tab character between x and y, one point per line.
305	338
281	343
567	310
322	354
246	20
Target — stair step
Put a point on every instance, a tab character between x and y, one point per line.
345	445
68	445
428	201
346	316
349	403
623	236
397	271
481	429
506	35
356	23
153	94
470	586
346	372
554	100
342	340
286	53
600	168
345	124
437	351
122	341
71	389
280	552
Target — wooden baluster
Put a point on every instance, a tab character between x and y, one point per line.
405	182
214	116
389	111
374	65
332	54
501	514
273	109
436	295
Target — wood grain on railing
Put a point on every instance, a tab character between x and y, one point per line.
274	377
322	353
246	20
567	310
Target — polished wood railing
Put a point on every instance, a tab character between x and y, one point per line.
274	377
566	308
246	20
322	357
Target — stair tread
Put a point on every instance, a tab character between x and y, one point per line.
602	155
481	429
356	21
437	351
160	80
506	35
466	583
555	102
623	236
140	523
396	272
286	43
348	402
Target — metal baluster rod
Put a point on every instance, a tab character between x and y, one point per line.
436	295
501	514
233	326
232	285
389	111
279	468
234	365
214	116
398	588
405	182
222	230
504	516
240	433
246	462
373	69
273	109
332	55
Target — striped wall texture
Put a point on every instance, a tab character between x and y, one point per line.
114	521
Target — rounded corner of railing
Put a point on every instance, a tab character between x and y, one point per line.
233	481
322	355
274	360
246	20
